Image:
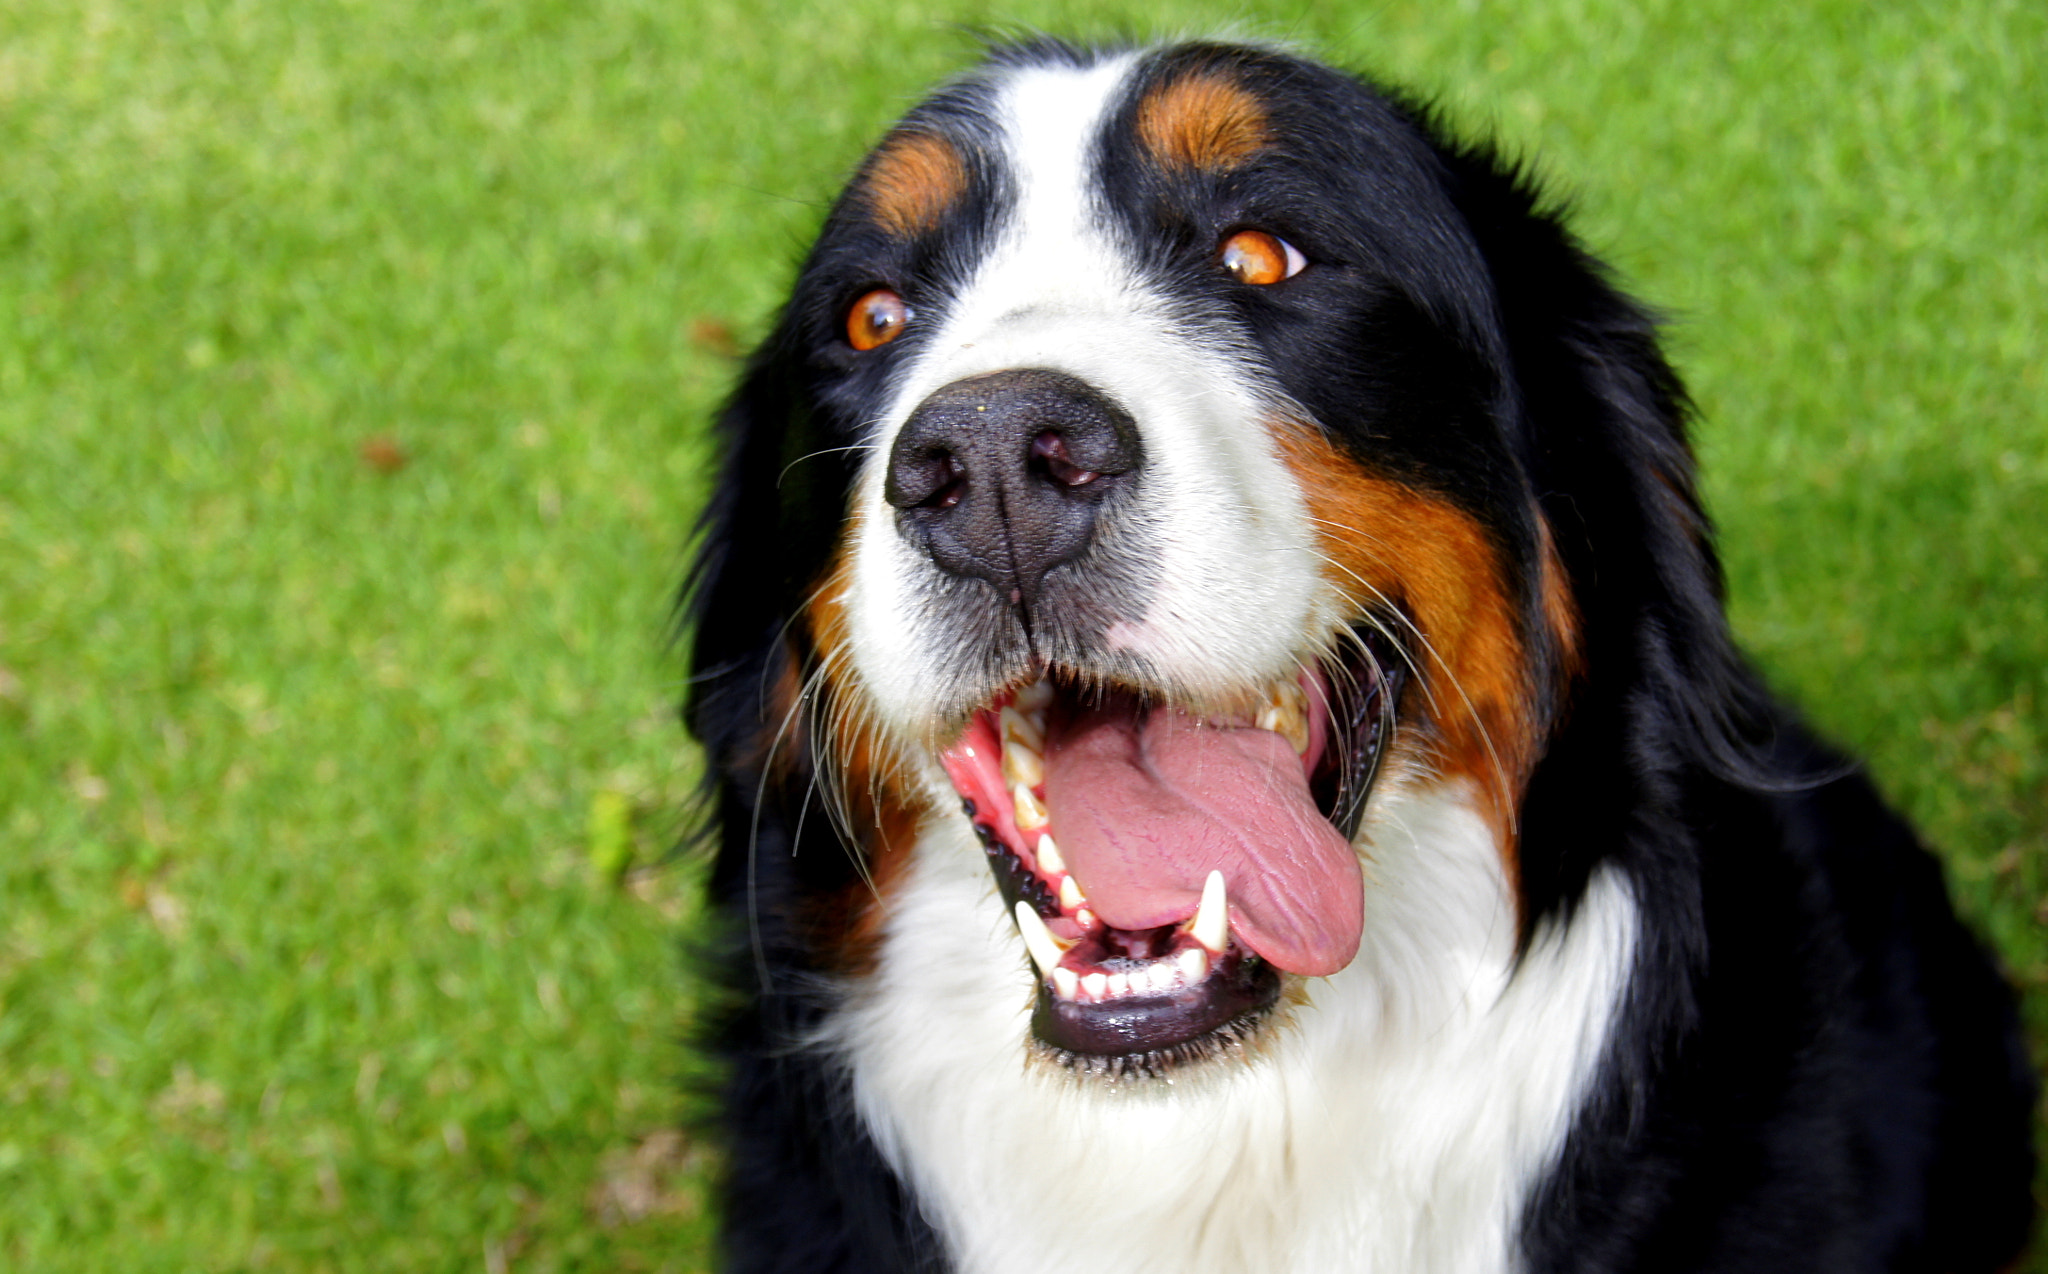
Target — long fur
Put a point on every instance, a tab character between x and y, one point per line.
1694	1000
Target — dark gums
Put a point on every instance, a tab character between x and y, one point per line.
1014	880
1239	985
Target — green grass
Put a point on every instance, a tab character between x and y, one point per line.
353	362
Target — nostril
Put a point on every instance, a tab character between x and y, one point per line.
935	479
1049	455
952	489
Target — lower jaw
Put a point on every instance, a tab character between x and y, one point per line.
1138	1037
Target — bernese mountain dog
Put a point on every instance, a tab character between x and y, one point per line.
1227	754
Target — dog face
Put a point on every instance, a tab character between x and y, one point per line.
1158	482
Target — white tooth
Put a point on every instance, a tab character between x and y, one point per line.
1035	697
1194	965
1285	714
1030	811
1049	860
1085	918
1044	948
1017	727
1212	919
1022	764
1118	984
1070	894
1159	974
1065	982
1094	984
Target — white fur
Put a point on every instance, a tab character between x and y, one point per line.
1236	583
1395	1123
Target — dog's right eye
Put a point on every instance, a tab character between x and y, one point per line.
1258	258
876	319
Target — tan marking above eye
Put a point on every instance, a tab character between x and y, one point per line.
876	319
1202	120
910	181
1253	256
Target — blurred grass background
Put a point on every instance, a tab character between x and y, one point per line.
353	363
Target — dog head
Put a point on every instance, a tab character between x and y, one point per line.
1168	461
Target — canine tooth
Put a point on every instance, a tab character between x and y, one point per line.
1070	894
1212	919
1044	948
1118	984
1022	763
1049	860
1065	982
1030	810
1019	728
1095	984
1194	965
1036	697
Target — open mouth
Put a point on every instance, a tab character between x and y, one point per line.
1166	869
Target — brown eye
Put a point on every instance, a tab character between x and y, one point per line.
876	319
1253	256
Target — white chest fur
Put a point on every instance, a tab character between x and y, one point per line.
1395	1125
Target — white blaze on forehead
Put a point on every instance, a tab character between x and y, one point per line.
1232	573
1054	264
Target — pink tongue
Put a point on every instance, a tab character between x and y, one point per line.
1146	809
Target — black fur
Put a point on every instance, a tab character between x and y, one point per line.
1816	1067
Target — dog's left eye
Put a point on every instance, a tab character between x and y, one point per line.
1253	256
876	319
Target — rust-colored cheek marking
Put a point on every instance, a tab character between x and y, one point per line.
1202	120
1388	546
865	780
910	182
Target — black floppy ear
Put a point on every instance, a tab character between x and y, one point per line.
774	516
732	607
1605	423
1602	430
769	530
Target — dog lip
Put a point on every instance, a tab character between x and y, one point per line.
1238	991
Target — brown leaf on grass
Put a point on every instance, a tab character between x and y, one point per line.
188	1095
328	1178
166	911
85	785
657	1177
714	335
383	454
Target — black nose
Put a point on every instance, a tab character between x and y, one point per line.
1002	477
